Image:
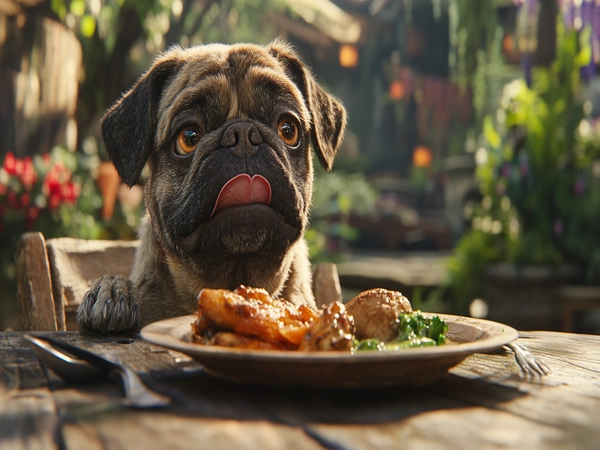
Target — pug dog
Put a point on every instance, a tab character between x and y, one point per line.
222	134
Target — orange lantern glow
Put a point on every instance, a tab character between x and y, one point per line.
348	56
422	156
397	90
508	43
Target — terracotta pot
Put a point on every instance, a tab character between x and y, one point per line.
108	182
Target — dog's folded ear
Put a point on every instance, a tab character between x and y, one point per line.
328	114
129	126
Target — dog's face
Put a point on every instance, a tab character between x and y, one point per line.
225	132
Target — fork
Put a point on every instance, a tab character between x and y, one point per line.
530	365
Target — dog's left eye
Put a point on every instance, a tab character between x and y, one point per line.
187	140
288	131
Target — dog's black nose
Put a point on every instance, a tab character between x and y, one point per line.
242	138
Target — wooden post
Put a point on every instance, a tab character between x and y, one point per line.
326	284
36	302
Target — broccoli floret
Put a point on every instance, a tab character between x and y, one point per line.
414	330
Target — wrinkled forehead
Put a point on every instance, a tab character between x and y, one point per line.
226	82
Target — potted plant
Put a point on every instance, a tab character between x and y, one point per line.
538	169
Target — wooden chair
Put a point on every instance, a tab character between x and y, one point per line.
53	276
577	299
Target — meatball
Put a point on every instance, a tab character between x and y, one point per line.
375	313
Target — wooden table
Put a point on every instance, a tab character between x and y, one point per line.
482	403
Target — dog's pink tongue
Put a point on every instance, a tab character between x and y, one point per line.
243	190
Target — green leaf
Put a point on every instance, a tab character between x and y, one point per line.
584	57
344	203
58	6
490	132
88	26
77	8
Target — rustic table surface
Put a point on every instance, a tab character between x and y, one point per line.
482	403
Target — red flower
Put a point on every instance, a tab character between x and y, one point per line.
25	199
12	199
54	200
10	163
31	215
19	167
28	175
32	212
51	184
25	183
70	192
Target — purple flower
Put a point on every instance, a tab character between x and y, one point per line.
527	69
579	187
568	12
558	227
500	189
587	72
587	10
578	14
596	32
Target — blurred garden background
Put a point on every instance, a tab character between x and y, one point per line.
469	178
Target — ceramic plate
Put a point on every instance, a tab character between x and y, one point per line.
335	369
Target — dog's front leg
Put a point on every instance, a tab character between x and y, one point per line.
111	305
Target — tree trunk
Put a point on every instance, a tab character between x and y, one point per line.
40	61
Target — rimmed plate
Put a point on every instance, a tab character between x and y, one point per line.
335	369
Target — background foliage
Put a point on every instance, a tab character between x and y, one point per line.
539	177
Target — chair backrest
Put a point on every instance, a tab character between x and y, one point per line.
53	276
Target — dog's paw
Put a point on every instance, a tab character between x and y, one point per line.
111	306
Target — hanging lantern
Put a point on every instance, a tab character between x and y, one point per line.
348	56
422	156
397	90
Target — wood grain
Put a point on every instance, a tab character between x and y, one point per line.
482	403
28	416
36	301
53	276
326	284
76	263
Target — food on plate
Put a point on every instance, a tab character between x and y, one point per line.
331	330
251	312
376	313
231	339
250	318
414	330
384	320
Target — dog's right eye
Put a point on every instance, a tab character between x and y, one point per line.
288	132
187	140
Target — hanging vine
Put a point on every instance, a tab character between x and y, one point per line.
474	47
473	24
